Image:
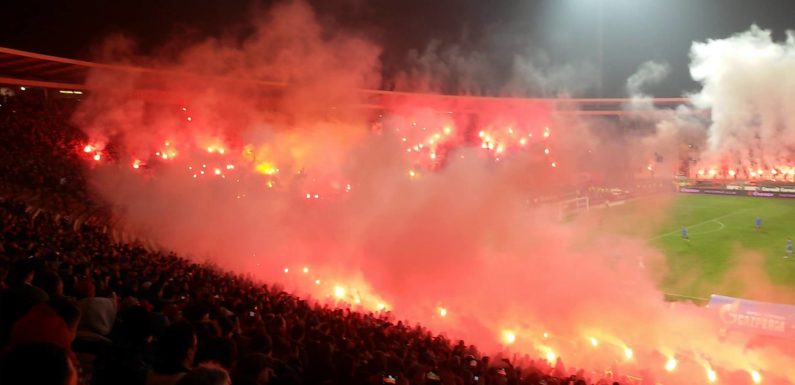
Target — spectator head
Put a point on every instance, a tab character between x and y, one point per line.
43	323
135	325
206	375
84	288
177	347
22	271
227	326
261	343
254	368
81	270
217	350
297	332
196	312
37	363
51	283
282	348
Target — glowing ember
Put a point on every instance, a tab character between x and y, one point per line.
551	356
286	270
317	282
88	148
711	375
217	171
381	307
266	168
594	341
756	376
442	312
628	353
136	164
339	291
508	336
670	365
97	157
554	164
732	172
546	151
306	270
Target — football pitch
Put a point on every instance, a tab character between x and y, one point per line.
725	255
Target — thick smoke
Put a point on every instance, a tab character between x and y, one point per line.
747	84
649	73
305	187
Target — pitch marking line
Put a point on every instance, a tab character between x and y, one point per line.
701	223
722	226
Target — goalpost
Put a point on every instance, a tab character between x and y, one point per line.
574	206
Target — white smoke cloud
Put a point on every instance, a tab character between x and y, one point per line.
649	73
748	83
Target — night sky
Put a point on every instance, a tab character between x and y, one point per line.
556	32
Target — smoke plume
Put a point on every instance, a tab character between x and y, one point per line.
748	86
434	216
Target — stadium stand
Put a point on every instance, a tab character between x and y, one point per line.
76	307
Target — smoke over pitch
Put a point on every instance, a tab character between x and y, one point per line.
301	188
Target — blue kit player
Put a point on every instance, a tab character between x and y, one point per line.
789	248
758	223
684	234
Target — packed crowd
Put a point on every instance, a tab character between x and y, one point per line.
76	307
37	143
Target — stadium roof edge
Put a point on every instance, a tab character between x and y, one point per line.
32	69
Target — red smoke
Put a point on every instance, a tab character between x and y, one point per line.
303	186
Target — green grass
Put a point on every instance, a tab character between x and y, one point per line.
726	254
